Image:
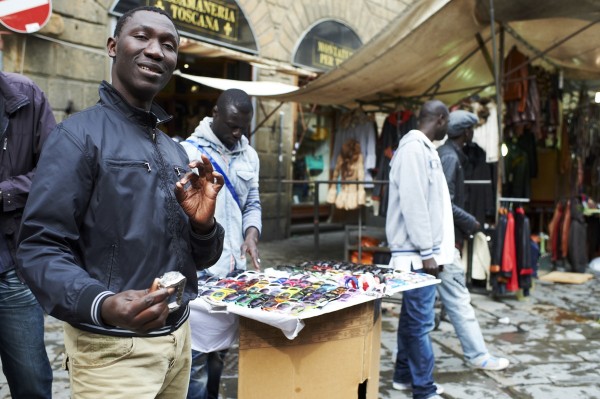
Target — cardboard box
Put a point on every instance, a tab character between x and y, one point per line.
336	355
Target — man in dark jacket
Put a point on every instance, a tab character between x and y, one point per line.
26	120
453	291
115	205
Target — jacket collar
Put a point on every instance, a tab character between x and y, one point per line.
461	155
156	116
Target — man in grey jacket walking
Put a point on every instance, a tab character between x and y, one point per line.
453	290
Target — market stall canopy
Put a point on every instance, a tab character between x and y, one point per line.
438	49
258	88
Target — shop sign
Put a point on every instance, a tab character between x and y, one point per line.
326	45
25	16
217	21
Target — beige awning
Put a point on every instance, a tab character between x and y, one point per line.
417	55
203	49
253	88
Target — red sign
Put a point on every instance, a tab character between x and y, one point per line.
25	16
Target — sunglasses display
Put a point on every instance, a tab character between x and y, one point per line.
294	289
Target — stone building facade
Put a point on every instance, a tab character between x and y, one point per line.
67	59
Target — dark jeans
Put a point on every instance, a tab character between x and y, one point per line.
22	349
205	375
414	360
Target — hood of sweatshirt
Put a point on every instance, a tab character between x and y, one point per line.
206	137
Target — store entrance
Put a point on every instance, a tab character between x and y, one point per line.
189	102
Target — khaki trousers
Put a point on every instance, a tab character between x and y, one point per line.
102	366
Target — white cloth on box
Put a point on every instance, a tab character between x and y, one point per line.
215	330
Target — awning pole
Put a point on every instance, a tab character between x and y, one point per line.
265	119
498	105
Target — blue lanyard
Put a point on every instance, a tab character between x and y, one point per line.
220	170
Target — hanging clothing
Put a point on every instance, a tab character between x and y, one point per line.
396	125
486	135
350	167
509	255
516	170
516	84
564	232
523	250
482	258
527	143
479	198
577	251
357	125
496	280
554	230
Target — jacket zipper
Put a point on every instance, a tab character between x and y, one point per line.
4	135
163	164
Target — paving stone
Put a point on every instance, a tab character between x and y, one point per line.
552	339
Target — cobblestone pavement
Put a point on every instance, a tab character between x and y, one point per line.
552	339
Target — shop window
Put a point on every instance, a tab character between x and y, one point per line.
313	131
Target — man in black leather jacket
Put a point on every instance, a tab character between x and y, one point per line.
453	291
115	205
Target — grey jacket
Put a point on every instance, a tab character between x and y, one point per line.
414	223
453	160
242	168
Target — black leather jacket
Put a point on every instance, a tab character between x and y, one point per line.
453	160
102	216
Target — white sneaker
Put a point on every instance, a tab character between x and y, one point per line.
399	386
490	363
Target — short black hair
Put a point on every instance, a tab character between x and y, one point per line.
237	98
432	109
129	14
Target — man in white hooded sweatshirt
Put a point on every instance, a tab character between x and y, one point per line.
419	231
221	139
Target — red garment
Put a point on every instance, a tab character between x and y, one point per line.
516	86
566	226
509	255
554	231
396	118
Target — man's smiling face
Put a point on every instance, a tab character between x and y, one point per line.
145	56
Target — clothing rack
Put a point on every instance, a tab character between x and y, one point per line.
510	199
469	279
478	182
316	204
